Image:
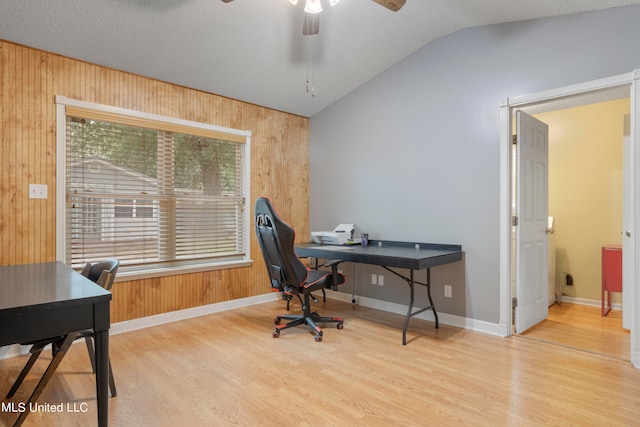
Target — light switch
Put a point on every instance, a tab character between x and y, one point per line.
37	191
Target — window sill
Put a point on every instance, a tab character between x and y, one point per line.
124	275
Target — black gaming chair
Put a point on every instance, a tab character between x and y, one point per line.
288	274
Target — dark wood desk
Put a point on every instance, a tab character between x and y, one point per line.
38	301
388	255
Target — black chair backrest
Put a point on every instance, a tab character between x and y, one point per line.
276	239
103	273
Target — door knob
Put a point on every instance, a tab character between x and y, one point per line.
628	233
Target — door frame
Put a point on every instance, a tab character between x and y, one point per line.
507	106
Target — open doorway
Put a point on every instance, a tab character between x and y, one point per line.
585	200
588	93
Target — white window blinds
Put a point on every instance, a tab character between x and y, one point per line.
151	193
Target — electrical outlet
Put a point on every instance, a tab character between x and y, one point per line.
380	280
374	279
447	291
37	191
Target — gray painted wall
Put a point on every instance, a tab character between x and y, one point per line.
413	154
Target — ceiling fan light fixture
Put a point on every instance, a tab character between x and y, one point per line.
313	6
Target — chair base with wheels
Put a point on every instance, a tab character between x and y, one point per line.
308	317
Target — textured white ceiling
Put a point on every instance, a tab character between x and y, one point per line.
254	50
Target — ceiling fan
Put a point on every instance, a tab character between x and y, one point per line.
312	9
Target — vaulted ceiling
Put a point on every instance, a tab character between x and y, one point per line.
254	50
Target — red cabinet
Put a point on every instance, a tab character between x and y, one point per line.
611	274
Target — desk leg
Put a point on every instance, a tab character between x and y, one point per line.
102	376
48	373
433	307
409	312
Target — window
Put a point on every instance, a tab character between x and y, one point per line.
152	191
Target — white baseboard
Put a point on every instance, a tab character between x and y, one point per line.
444	318
635	358
160	319
12	351
174	316
589	302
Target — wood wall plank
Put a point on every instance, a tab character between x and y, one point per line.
29	81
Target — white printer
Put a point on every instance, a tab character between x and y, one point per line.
341	235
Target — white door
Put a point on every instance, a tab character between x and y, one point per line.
532	211
628	292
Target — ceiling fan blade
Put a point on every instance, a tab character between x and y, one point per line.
394	5
227	1
311	24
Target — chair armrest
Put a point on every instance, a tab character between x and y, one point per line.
332	263
334	270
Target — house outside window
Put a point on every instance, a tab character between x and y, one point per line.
157	193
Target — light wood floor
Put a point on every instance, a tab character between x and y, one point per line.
583	327
226	370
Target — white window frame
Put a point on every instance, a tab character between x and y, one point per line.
62	103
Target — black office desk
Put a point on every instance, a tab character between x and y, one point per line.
388	254
38	301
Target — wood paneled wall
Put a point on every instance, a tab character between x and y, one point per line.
29	81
